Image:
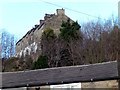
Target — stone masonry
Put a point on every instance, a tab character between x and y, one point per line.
30	43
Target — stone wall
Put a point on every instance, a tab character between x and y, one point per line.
112	84
102	85
30	44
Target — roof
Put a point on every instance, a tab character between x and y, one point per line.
32	30
60	75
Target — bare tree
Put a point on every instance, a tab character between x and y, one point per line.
12	46
99	41
7	45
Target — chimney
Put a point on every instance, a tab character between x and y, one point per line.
60	11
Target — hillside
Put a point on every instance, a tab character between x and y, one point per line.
73	46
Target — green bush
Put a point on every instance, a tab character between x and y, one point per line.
42	62
49	33
69	30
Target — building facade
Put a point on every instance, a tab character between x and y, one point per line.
30	43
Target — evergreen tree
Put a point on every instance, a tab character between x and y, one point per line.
41	63
69	31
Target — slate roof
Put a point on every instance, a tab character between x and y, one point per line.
60	75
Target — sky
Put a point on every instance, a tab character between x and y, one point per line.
19	16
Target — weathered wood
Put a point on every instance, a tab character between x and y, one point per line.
70	74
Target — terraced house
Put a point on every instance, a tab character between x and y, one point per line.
30	43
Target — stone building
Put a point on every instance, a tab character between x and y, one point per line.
30	43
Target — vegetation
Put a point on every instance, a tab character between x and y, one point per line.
100	42
49	33
10	64
64	49
7	45
42	62
69	30
17	64
95	42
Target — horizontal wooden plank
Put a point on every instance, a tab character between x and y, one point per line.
61	75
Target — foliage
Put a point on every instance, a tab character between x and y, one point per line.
17	64
101	42
10	64
64	49
42	62
49	33
65	58
69	30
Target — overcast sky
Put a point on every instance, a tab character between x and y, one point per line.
19	16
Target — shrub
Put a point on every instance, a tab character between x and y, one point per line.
42	62
49	33
69	30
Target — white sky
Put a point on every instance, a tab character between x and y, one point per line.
19	16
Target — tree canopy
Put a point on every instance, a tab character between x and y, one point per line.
69	30
42	62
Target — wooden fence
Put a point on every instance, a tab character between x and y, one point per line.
61	75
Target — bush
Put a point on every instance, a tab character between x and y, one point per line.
42	62
49	33
69	30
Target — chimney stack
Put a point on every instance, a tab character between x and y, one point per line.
60	11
